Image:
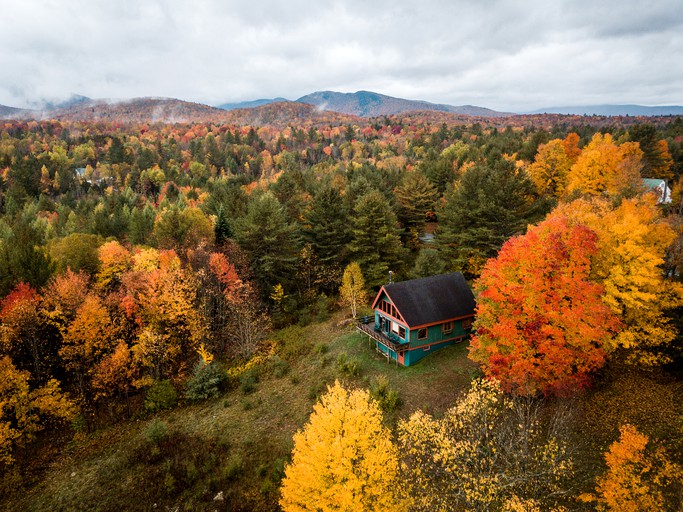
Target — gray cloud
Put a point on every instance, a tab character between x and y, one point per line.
509	55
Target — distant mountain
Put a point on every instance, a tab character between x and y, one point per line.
169	110
137	110
613	110
371	104
14	113
250	104
71	101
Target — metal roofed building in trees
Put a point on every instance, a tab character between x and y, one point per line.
414	318
660	187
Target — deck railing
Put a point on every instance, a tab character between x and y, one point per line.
369	330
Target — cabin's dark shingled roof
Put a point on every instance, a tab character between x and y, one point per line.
432	299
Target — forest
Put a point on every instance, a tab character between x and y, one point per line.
152	271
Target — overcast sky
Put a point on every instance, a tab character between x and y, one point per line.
507	55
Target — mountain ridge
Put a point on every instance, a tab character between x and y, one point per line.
372	104
610	110
364	104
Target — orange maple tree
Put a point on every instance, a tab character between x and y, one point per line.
637	476
541	322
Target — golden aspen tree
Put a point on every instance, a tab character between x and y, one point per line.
343	458
352	291
550	168
114	262
605	169
86	341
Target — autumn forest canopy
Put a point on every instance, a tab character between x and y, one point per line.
145	267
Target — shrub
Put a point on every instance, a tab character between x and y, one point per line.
162	395
348	366
322	308
248	381
387	398
156	431
206	381
278	366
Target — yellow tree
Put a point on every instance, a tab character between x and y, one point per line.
114	262
636	477
86	341
343	459
604	168
22	409
163	302
114	375
487	452
632	243
550	168
352	290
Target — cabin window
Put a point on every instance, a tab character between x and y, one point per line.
467	323
401	332
422	334
448	327
394	327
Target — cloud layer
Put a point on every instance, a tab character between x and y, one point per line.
506	55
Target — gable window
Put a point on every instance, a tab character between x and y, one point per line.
401	332
448	327
467	323
422	334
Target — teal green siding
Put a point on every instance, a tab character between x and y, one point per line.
414	355
435	334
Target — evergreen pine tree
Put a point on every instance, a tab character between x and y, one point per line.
376	245
221	228
270	241
489	205
416	196
327	227
141	225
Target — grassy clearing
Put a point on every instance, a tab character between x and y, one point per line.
236	444
235	447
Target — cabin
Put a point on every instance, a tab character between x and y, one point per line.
414	318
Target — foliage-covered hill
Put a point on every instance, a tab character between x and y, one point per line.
372	104
282	114
13	112
138	110
251	104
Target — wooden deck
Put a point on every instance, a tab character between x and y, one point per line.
378	336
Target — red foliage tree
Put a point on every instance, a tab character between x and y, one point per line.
541	322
